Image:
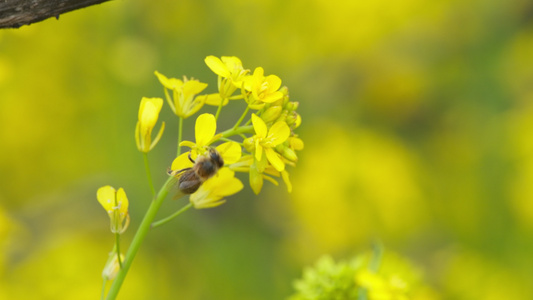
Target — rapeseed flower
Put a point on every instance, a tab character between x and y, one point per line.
264	89
265	140
116	205
148	115
212	192
184	102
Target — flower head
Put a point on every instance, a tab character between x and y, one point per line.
265	140
116	204
264	89
212	192
148	115
184	102
229	67
204	131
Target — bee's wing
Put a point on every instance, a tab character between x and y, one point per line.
189	182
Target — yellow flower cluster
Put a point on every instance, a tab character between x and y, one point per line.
266	143
262	142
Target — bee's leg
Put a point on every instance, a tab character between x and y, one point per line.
177	172
191	158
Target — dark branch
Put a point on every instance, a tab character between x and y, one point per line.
15	13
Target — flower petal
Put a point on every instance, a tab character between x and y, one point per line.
296	143
233	63
231	152
181	162
256	179
259	126
193	87
258	151
214	99
285	177
187	144
274	83
273	97
274	159
206	126
122	201
106	197
278	133
169	83
217	66
149	111
224	184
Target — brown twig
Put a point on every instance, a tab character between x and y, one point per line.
15	13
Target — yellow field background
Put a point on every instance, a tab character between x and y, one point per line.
417	123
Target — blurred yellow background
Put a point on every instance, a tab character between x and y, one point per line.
417	119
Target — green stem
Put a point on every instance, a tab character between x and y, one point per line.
148	174
242	117
141	233
180	132
169	218
102	296
117	248
239	130
219	108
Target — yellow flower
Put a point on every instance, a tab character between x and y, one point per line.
380	287
230	152
264	89
229	67
116	205
183	102
212	192
247	164
204	132
265	140
148	115
112	266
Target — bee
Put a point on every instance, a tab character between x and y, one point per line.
204	168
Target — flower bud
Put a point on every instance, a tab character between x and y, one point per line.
271	114
148	115
112	266
249	144
292	106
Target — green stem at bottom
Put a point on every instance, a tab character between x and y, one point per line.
138	239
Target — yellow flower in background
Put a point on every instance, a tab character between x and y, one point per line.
184	102
212	192
265	140
116	204
148	115
381	288
264	89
